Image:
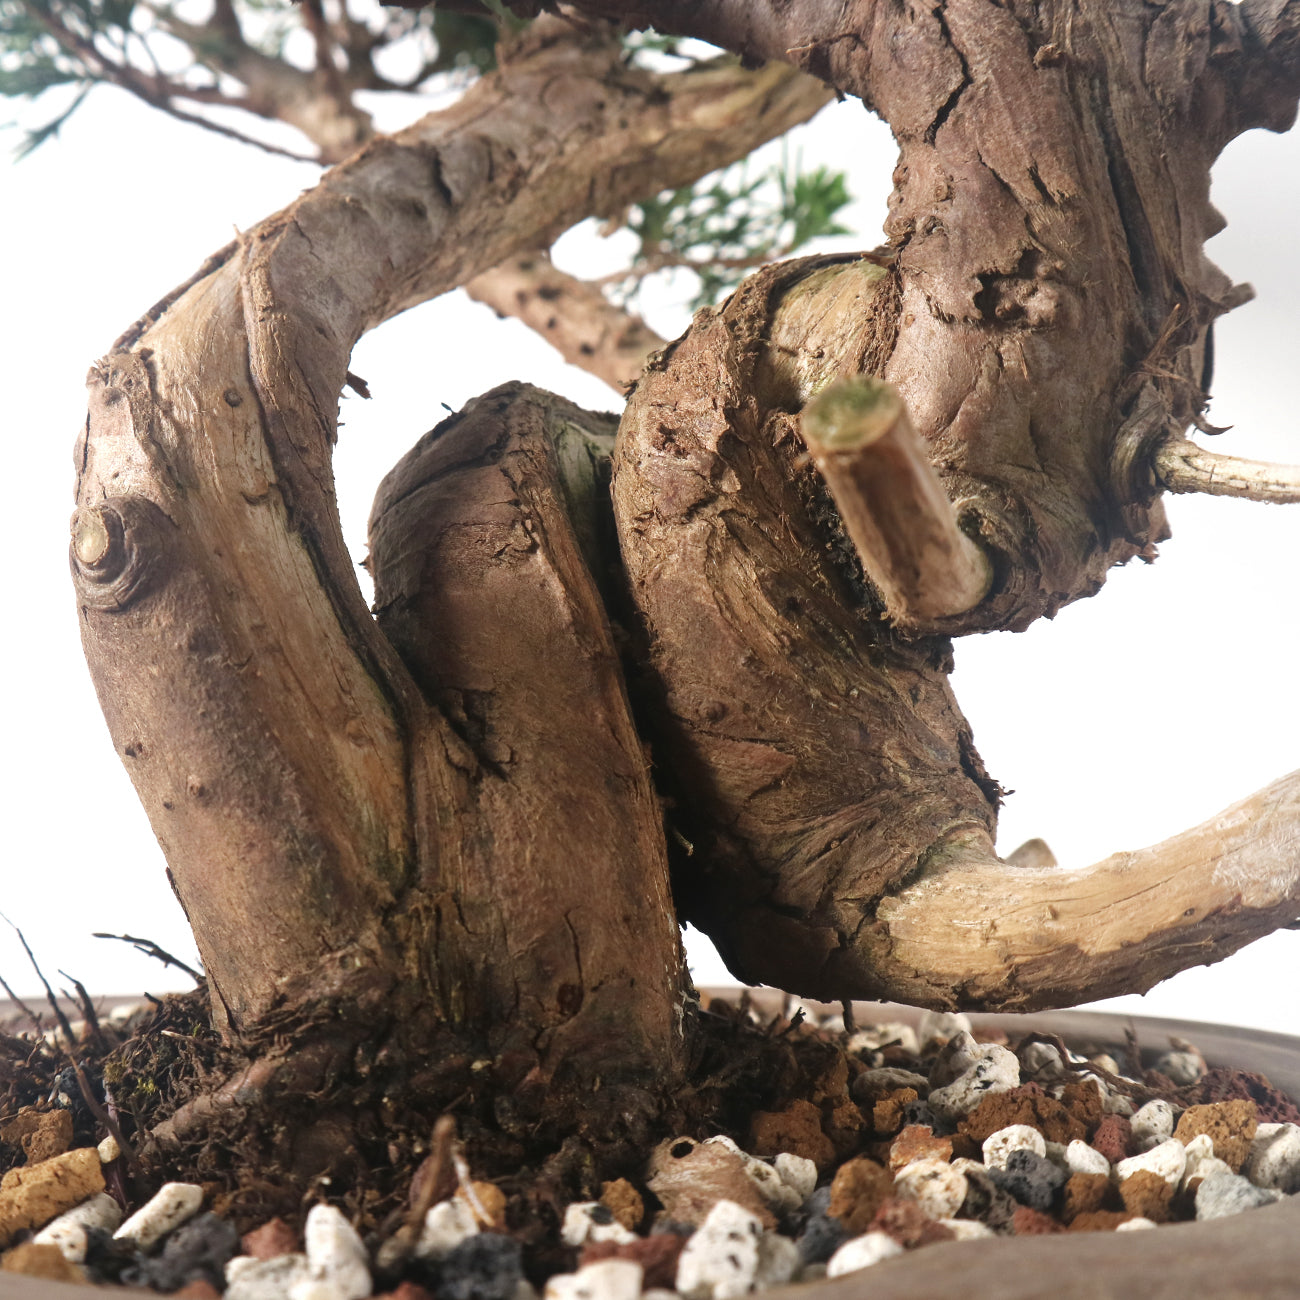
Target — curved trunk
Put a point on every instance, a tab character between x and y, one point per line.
358	825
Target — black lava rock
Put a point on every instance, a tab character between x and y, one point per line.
197	1250
487	1266
822	1237
1032	1179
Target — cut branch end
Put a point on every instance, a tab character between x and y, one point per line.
893	506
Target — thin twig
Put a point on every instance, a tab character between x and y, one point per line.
40	975
98	1111
151	949
33	1017
87	1005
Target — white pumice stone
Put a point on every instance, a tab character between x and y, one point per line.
1080	1158
1201	1160
586	1221
934	1185
1104	1061
1135	1225
1116	1103
659	1293
109	1150
875	1037
1153	1124
1056	1154
862	1252
336	1253
967	1229
995	1070
610	1279
524	1290
1015	1137
248	1278
721	1258
169	1207
1040	1062
1181	1067
798	1173
1220	1195
942	1024
778	1261
1274	1159
68	1231
316	1288
446	1225
1169	1159
776	1193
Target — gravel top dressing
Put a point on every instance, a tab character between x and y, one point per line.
912	1134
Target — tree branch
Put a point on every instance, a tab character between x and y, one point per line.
1021	938
892	503
572	315
1180	465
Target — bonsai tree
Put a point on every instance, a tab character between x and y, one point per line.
695	669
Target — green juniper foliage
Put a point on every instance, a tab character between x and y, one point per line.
244	53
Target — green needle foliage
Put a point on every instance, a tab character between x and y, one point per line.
246	52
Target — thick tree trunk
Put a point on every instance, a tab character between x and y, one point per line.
443	821
369	827
1043	310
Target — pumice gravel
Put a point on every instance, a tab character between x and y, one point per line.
946	1137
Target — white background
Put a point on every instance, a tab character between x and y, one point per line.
1131	717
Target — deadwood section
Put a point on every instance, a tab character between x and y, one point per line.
314	808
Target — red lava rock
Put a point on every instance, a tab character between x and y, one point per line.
1100	1221
842	1125
1147	1195
1083	1194
273	1239
797	1129
1033	1223
1222	1084
40	1134
861	1186
887	1113
918	1142
1027	1104
1114	1138
1084	1101
624	1202
1230	1125
657	1256
690	1179
908	1224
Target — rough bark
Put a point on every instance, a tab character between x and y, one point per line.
354	813
573	316
1043	309
327	827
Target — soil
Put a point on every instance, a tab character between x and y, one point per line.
770	1074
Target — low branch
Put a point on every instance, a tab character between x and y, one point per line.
1020	938
892	503
572	315
1180	465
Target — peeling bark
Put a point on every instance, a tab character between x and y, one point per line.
320	817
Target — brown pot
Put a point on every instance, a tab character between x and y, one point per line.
1255	1254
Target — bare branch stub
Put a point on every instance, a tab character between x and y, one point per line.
892	503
